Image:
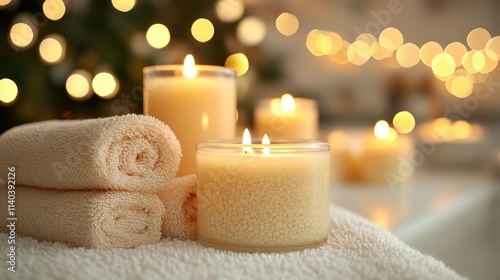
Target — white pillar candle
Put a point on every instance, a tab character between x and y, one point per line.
263	197
197	102
286	117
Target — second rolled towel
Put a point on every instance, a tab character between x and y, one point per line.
131	152
92	219
179	199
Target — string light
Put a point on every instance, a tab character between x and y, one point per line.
123	5
229	10
251	31
54	9
428	51
105	85
238	62
408	55
52	49
478	38
202	30
158	36
78	85
21	35
391	38
8	91
404	122
287	24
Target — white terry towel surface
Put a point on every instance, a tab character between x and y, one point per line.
179	200
92	219
356	249
131	152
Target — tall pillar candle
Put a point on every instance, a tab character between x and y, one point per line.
198	102
288	117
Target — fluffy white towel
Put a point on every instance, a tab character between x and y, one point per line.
132	152
92	219
356	249
179	200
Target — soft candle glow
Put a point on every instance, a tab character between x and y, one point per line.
381	130
247	142
287	103
189	67
265	141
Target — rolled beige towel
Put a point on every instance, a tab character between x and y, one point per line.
92	219
131	152
179	199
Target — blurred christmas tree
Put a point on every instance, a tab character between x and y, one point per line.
46	42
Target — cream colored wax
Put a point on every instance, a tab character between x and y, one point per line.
262	202
290	118
196	108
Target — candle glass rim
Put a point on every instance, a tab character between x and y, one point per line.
177	70
277	146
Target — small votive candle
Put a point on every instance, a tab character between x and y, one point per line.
287	117
270	197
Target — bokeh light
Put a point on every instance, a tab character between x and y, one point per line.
467	61
370	40
52	49
21	35
78	85
287	24
443	65
382	53
4	3
478	38
457	50
381	129
428	51
340	56
123	5
358	52
238	62
229	10
391	38
202	30
158	36
54	9
404	122
478	61
251	31
490	64
408	55
462	86
493	48
8	91
105	85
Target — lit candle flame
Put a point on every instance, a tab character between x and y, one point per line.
247	142
189	66
265	141
381	130
287	103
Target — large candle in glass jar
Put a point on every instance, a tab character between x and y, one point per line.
263	197
287	117
198	102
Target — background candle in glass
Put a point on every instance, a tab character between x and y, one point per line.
288	117
387	156
368	156
197	102
263	197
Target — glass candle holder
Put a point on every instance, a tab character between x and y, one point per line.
263	197
290	118
197	105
